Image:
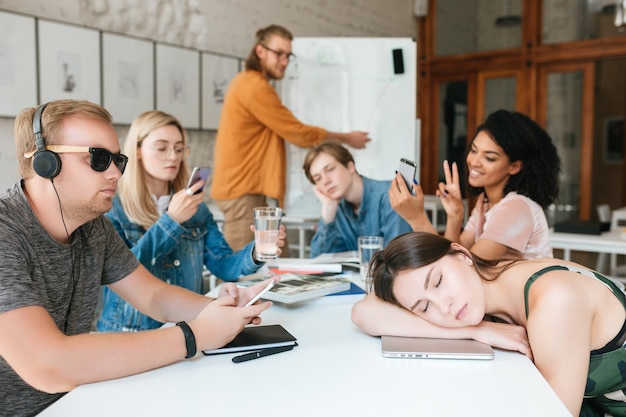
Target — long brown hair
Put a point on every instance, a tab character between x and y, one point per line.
416	249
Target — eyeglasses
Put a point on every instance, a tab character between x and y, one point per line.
162	151
281	55
100	159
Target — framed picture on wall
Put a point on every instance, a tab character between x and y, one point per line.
178	83
18	76
613	140
217	71
128	76
69	62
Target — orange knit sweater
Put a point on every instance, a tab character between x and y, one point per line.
250	155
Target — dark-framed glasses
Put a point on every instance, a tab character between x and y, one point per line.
100	159
280	54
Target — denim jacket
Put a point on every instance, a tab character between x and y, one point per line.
175	254
376	217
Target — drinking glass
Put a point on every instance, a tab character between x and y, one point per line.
266	231
368	246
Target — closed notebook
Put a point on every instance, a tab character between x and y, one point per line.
430	348
256	338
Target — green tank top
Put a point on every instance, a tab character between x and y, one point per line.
610	284
605	389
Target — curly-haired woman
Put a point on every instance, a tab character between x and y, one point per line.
513	167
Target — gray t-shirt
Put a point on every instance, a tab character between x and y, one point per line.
64	279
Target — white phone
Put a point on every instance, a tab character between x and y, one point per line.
263	291
408	169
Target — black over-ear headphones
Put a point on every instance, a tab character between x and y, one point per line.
46	164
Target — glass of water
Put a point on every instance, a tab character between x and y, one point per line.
368	246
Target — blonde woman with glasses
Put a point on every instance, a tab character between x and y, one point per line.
170	231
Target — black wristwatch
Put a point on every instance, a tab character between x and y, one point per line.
190	339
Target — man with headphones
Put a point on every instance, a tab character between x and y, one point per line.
58	248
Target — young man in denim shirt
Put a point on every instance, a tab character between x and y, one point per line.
352	205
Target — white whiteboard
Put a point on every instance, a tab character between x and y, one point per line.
346	84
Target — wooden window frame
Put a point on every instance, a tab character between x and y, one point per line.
530	62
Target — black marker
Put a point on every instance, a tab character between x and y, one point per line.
261	353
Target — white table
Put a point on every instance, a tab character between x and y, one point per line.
608	242
337	370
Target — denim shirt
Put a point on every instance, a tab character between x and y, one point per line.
176	254
376	217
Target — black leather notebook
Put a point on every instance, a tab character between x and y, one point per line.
256	338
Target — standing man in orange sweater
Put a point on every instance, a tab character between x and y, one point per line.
250	157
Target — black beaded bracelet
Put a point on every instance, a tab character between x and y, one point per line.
190	339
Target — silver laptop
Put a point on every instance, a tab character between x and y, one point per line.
423	347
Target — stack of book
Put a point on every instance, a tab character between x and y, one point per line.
324	263
296	287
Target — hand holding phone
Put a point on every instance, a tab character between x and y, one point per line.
199	174
263	291
408	169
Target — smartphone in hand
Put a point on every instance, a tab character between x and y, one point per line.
263	291
408	169
199	174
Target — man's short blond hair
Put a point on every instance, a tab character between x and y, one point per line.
55	113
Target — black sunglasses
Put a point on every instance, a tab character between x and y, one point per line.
100	158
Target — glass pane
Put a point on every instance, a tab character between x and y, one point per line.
500	94
563	124
465	26
453	126
609	134
572	20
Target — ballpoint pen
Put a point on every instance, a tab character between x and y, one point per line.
261	353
